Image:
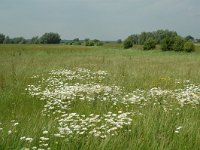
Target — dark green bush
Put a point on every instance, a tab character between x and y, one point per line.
35	40
189	38
99	43
167	44
50	38
7	40
76	43
189	46
18	40
178	44
128	43
2	38
149	44
89	43
119	41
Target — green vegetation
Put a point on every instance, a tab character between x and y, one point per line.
168	40
2	38
189	46
149	44
89	43
167	44
128	43
50	38
178	44
35	40
119	41
189	38
157	36
158	122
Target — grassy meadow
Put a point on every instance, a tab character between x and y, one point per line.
139	99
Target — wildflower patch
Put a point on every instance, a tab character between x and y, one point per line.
63	89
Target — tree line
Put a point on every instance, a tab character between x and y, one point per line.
47	38
168	40
86	42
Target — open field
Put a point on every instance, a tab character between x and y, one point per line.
77	97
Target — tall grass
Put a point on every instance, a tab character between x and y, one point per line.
131	69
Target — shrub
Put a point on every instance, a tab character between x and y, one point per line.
119	41
149	44
50	38
35	40
76	43
7	40
178	44
76	40
18	40
167	44
198	40
2	38
189	46
189	38
128	43
96	41
99	44
89	43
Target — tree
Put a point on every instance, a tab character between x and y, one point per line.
119	41
2	38
86	40
189	37
178	44
149	44
50	38
18	40
76	40
128	42
96	41
189	46
99	43
142	37
167	44
7	40
35	40
135	38
198	40
159	35
89	43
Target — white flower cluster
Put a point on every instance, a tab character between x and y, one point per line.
60	88
26	139
190	94
178	129
96	125
44	140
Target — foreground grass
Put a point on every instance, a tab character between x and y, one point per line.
131	69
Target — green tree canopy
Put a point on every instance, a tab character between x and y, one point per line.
35	40
167	44
128	42
149	44
189	46
178	44
50	38
2	38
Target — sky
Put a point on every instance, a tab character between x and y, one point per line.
101	19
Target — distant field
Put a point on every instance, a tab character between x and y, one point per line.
77	97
